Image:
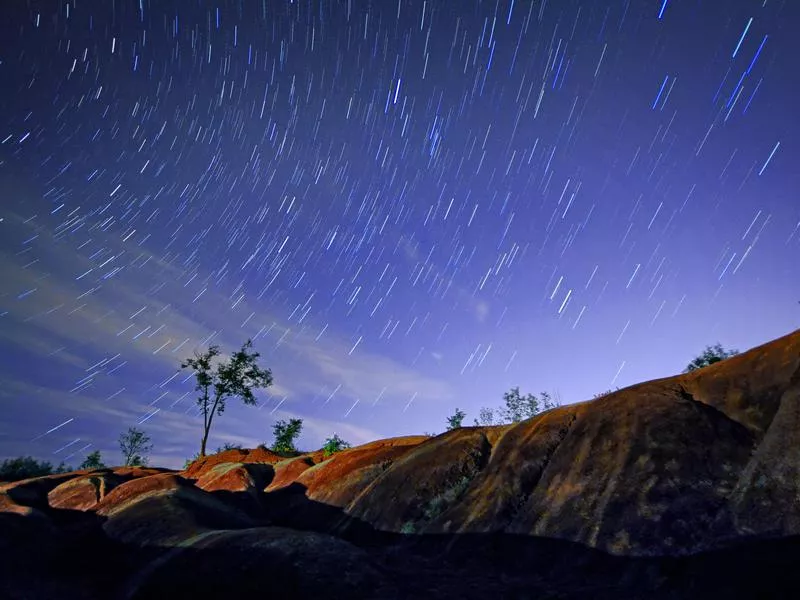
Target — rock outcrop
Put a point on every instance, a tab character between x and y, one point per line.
656	486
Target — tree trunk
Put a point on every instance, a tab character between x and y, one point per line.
207	426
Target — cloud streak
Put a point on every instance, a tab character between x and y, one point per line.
86	332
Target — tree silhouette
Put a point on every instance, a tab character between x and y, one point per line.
92	461
709	356
135	445
285	434
333	445
454	421
24	467
486	416
234	378
519	407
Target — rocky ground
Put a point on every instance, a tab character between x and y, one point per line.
681	487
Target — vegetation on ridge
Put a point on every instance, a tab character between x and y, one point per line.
333	445
240	376
92	461
26	467
286	432
709	356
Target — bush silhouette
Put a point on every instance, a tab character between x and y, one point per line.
709	356
286	432
333	445
454	421
517	408
92	461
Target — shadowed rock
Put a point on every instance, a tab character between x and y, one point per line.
165	510
287	471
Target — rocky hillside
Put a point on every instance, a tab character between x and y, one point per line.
651	490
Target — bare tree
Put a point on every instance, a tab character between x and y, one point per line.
234	378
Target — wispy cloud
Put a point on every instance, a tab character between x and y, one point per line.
106	333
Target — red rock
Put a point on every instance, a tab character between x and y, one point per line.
136	489
665	467
668	467
236	477
83	492
165	510
344	475
236	455
9	506
33	492
287	471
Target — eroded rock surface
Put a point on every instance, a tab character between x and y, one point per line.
650	488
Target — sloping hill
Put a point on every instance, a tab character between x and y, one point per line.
651	490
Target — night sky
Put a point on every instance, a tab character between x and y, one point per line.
408	206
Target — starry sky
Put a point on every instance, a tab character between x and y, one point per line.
409	206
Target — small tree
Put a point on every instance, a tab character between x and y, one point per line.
93	461
519	407
235	378
548	402
24	467
333	445
710	355
454	421
486	417
285	434
135	445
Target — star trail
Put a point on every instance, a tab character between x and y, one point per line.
408	206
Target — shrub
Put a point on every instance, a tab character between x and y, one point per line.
454	421
227	446
440	502
486	416
408	528
519	407
333	445
709	356
548	402
286	432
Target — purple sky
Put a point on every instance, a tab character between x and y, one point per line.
409	206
